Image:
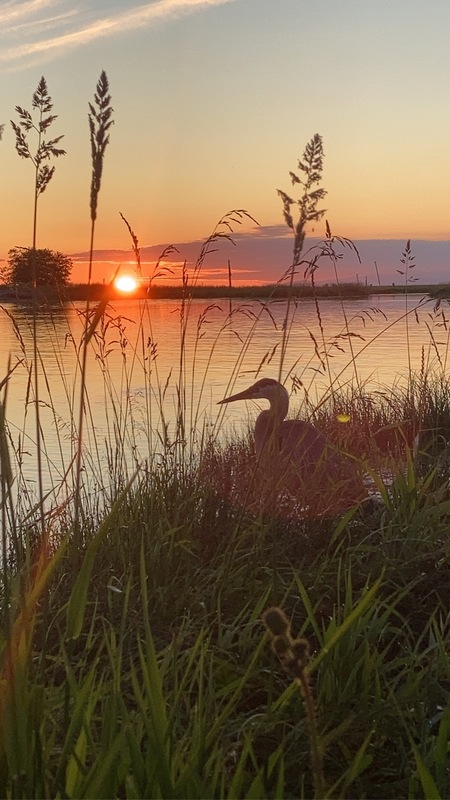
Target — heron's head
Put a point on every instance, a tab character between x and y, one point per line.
264	389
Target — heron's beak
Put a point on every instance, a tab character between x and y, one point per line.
245	395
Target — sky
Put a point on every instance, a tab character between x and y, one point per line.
214	101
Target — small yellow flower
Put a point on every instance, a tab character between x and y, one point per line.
343	417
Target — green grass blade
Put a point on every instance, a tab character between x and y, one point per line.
429	787
354	615
77	602
441	752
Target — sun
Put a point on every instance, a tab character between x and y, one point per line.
126	284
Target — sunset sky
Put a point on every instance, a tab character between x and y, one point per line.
213	102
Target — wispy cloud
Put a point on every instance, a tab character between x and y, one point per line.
43	24
10	12
77	27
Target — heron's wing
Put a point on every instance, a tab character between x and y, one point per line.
309	460
302	443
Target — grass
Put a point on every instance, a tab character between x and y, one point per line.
270	291
146	670
155	650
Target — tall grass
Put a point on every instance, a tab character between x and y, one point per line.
100	121
311	170
45	150
144	671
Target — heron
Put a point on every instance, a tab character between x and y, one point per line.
296	455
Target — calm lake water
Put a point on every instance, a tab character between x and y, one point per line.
134	365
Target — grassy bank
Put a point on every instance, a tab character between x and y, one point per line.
270	291
137	665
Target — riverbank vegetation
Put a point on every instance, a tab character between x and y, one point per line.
269	291
135	664
134	658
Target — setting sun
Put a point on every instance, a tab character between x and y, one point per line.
126	283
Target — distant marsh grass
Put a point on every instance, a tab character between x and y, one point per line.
144	671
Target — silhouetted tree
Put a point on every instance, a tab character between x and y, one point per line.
52	267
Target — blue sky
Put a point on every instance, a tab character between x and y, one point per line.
214	101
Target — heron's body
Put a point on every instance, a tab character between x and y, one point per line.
295	454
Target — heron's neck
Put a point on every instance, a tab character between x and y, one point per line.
268	422
265	426
279	405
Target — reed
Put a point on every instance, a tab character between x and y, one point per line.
100	121
142	672
311	170
45	150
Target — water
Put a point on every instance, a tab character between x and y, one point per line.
134	366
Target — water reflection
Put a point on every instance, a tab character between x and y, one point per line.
145	369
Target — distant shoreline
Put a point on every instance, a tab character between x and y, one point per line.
100	291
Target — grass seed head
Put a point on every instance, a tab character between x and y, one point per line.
100	121
276	621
